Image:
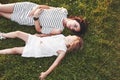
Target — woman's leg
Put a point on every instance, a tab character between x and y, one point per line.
15	50
6	15
16	34
7	8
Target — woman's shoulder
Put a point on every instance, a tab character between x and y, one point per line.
63	9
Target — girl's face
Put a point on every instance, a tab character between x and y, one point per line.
73	25
73	41
71	38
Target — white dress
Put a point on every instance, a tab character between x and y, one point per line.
44	46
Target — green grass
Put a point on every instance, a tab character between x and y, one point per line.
99	59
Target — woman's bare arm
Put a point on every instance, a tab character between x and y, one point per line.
36	22
37	26
45	6
53	32
53	66
39	7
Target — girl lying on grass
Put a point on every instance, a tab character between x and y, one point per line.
56	45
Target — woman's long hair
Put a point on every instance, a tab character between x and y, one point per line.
83	25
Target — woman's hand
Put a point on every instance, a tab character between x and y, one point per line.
38	12
42	76
31	13
33	10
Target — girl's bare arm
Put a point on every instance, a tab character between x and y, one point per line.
53	66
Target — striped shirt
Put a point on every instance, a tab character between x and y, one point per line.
49	19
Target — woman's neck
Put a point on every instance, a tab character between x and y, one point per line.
64	22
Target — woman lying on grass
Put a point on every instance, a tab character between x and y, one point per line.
47	20
56	45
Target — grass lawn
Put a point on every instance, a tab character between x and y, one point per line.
99	59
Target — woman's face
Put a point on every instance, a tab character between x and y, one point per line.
73	25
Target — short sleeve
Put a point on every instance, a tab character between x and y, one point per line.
60	28
46	30
49	30
64	10
63	48
61	44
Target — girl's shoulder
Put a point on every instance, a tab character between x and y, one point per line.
58	35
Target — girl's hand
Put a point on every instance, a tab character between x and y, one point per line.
42	76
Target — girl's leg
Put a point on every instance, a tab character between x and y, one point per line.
15	50
16	34
7	8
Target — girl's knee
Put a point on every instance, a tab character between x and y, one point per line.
15	50
18	33
1	6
